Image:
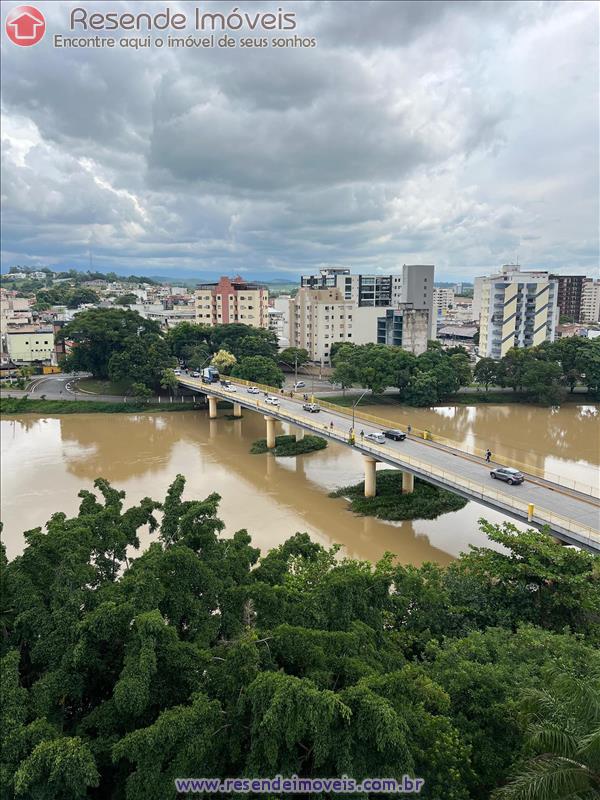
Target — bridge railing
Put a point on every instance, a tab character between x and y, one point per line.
577	486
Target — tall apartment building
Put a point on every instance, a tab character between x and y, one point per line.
413	285
570	291
518	309
232	300
590	301
405	327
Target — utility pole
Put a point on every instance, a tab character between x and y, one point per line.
355	404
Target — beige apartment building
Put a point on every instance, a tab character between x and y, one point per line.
590	301
321	317
232	300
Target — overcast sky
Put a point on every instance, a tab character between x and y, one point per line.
461	134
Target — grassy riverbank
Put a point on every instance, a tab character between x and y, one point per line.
425	502
289	445
22	405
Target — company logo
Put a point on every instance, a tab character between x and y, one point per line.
25	26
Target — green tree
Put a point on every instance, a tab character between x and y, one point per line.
292	356
422	389
542	382
140	391
486	372
185	336
128	299
515	363
168	380
564	739
60	769
259	370
100	333
344	374
77	297
144	360
244	340
224	361
197	357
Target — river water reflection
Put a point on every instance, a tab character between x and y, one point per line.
47	460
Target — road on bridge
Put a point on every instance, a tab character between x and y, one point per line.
567	511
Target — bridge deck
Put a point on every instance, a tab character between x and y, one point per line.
573	516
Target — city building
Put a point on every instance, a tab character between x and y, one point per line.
30	343
518	309
443	301
461	311
14	310
570	291
232	300
452	335
277	324
590	301
414	285
167	315
405	327
320	317
570	329
417	289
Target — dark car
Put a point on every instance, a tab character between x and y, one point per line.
395	434
508	474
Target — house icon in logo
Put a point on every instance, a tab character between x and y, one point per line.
25	26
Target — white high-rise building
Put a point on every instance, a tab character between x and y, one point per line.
518	309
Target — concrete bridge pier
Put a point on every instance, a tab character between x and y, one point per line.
270	432
299	434
370	476
212	407
408	482
237	410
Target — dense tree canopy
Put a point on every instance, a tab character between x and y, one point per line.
198	658
101	333
260	370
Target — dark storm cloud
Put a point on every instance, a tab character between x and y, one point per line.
459	133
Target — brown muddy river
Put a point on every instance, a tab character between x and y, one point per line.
46	460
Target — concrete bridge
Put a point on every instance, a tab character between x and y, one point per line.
571	512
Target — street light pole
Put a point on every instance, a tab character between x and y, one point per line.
355	404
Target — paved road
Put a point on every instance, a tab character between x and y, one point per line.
458	466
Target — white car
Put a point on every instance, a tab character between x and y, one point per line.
253	390
377	436
230	387
272	401
177	371
194	374
299	385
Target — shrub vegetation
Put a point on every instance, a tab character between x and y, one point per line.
425	502
289	445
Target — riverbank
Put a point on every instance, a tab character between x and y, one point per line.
22	405
425	502
289	445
